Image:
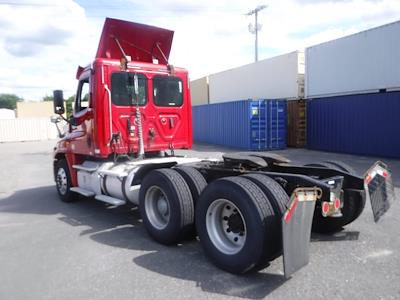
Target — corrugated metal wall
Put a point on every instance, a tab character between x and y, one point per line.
247	124
19	130
366	124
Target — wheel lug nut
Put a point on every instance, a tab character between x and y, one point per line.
235	239
225	218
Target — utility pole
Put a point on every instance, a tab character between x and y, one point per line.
256	27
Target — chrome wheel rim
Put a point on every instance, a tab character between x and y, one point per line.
157	207
62	182
226	226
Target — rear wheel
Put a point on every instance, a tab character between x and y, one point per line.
353	203
166	206
279	201
63	182
323	224
194	180
236	224
196	184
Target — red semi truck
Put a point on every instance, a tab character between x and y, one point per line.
132	111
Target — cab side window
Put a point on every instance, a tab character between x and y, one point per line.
82	96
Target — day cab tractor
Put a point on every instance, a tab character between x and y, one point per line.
132	111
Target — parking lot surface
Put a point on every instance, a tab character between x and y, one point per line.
86	250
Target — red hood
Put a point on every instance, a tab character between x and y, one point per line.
138	41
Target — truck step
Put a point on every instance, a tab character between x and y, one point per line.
82	191
110	200
87	168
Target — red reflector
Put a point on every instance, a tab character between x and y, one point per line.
337	203
289	213
368	179
325	208
385	174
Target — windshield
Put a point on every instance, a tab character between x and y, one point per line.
167	91
123	91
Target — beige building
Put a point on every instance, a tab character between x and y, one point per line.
199	91
34	109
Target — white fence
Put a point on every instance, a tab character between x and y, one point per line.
19	130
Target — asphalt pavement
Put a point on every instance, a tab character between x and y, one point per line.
86	250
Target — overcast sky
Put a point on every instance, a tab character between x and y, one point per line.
43	41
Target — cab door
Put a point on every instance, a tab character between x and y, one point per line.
81	133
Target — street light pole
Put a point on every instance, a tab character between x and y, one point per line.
256	27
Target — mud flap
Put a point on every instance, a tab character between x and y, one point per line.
296	229
378	184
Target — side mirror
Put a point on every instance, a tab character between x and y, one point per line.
58	102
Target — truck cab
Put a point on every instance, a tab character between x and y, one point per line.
105	112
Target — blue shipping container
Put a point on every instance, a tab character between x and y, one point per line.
251	125
366	124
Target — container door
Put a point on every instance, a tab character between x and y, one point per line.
257	126
276	124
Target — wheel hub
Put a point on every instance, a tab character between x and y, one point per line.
61	181
235	223
226	226
162	206
157	207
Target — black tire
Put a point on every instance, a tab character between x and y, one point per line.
275	193
196	184
194	180
279	200
353	205
176	194
341	166
260	226
358	199
328	225
63	182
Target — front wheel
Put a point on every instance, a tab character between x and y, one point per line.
63	181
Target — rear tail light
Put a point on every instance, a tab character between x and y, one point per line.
325	208
336	203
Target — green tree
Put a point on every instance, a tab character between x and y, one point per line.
48	98
9	101
69	104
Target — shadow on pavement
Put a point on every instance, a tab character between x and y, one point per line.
338	236
121	227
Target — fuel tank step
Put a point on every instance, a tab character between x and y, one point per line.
82	191
110	200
